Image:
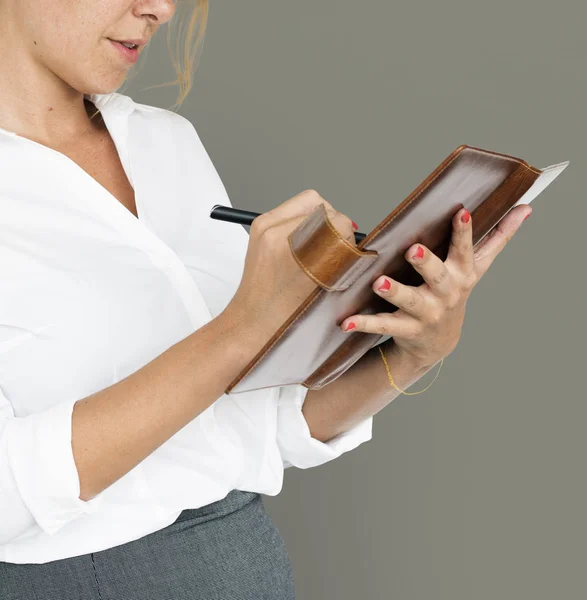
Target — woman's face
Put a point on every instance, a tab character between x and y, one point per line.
71	37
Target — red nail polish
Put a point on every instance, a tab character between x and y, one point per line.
350	325
355	226
419	252
466	216
527	216
385	286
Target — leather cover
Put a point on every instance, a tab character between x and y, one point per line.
310	348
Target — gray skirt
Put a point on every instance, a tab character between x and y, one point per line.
227	550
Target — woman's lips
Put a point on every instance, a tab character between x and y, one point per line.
129	54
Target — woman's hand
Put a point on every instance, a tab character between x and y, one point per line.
273	285
428	324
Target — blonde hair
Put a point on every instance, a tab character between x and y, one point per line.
194	27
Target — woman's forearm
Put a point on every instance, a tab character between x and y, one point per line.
116	428
360	392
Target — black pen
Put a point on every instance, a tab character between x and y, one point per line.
245	217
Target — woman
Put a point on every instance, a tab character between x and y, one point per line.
125	312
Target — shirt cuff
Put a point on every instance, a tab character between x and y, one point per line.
298	448
40	456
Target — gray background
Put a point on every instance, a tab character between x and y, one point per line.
476	488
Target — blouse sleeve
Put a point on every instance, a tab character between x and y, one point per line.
297	447
39	481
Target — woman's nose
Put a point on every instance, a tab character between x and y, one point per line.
160	11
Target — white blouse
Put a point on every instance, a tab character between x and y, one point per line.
88	295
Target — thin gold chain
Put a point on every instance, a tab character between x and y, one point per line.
393	383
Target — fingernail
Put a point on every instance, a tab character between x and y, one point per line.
355	226
466	216
385	286
350	325
419	252
527	215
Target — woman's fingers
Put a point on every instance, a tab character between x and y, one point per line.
439	275
394	324
460	252
403	296
300	207
432	269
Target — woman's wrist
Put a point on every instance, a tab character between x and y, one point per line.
405	368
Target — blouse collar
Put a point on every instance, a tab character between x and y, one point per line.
112	102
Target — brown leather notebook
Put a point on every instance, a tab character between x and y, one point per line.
310	348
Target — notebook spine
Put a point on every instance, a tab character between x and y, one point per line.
501	200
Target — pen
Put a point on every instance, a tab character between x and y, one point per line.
245	217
